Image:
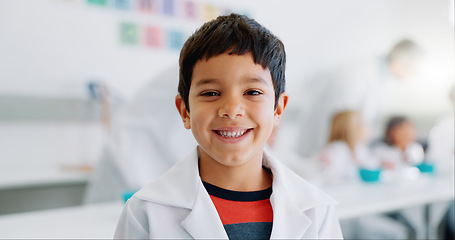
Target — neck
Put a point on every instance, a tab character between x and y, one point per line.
249	176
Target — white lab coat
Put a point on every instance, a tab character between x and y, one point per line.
338	165
401	160
440	152
177	206
441	147
404	170
141	145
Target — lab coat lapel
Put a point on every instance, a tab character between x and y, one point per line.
289	221
290	199
203	221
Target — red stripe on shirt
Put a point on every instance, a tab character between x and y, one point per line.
232	212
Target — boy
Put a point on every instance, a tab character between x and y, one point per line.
231	95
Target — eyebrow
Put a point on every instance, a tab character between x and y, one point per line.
205	81
212	80
258	79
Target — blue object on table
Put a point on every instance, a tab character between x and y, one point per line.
425	167
127	195
369	175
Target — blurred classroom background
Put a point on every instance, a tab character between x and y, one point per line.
70	68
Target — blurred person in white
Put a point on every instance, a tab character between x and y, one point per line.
346	150
361	85
399	149
339	162
139	147
400	153
440	152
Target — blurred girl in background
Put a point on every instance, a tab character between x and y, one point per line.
340	161
346	150
400	148
399	154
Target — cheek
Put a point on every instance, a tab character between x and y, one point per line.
195	121
199	120
394	137
266	118
410	137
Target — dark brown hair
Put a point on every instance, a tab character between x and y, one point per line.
392	124
234	34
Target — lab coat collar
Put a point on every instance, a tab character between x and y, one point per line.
291	197
185	175
203	221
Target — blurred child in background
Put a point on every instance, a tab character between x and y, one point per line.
400	148
399	153
346	150
340	160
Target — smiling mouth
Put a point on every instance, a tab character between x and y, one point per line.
232	134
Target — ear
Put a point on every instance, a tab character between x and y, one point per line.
282	103
184	114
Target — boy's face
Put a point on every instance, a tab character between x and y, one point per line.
232	112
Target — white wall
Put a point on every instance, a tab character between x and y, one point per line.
51	48
321	35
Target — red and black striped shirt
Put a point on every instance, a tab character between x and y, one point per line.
245	215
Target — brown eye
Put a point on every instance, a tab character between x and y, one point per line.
210	94
253	92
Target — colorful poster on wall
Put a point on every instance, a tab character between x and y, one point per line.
190	10
168	7
159	24
129	33
175	39
122	4
153	37
210	12
97	2
148	6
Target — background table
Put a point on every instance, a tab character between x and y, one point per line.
40	187
88	221
362	199
99	220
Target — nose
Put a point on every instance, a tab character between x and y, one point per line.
231	108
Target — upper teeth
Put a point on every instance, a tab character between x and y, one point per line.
232	134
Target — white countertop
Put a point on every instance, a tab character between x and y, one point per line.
39	176
99	220
34	153
370	198
88	221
